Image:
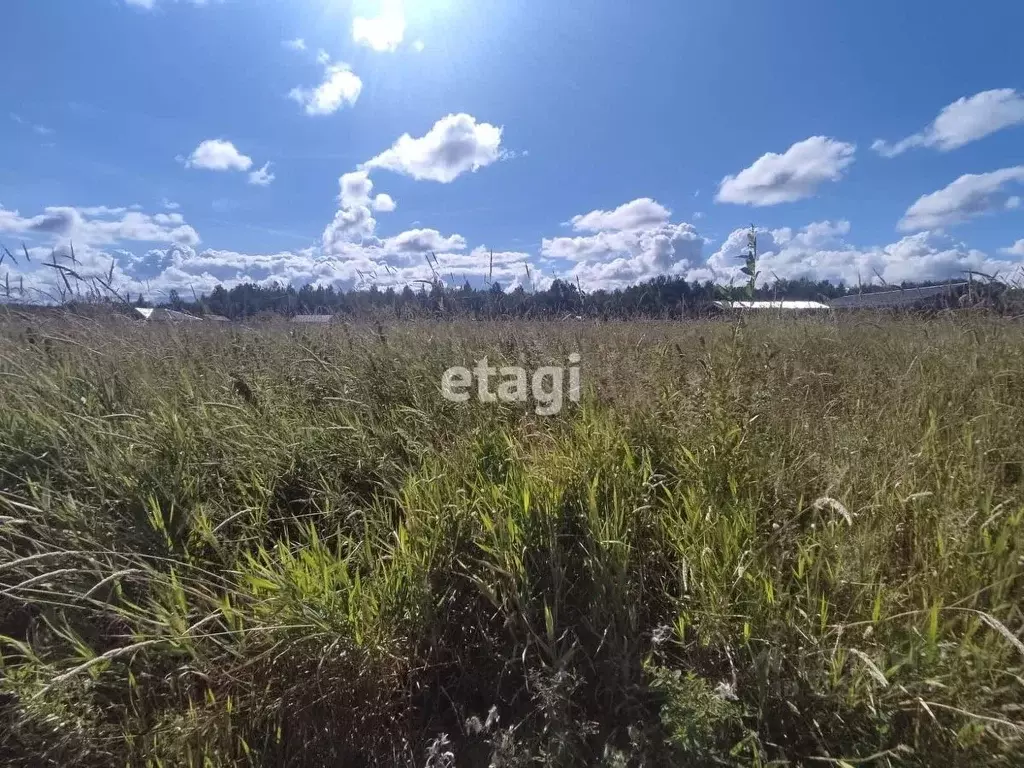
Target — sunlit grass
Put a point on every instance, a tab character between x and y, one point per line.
787	540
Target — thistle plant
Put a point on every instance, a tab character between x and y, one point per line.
750	263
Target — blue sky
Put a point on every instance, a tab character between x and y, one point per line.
326	140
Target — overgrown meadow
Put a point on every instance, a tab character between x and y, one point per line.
766	541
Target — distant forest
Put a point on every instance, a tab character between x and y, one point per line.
661	297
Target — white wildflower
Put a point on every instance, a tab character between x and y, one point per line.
726	691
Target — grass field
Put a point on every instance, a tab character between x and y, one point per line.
780	541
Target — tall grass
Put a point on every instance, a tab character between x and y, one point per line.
779	542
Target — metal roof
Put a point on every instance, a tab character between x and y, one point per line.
770	305
162	313
312	318
897	298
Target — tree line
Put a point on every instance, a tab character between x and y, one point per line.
661	296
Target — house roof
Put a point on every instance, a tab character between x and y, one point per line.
770	305
161	313
312	318
897	298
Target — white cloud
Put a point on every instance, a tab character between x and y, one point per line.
41	130
619	258
221	155
963	121
355	188
99	225
632	243
1017	249
218	155
140	227
382	33
182	268
351	235
656	245
1013	203
969	196
641	213
357	257
298	44
820	251
341	86
418	46
101	210
168	218
384	203
169	205
794	175
262	177
151	4
90	229
419	241
354	222
456	144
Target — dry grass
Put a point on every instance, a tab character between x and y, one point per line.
782	542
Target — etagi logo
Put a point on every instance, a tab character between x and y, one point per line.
516	385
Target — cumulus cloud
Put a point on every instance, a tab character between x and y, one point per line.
262	177
794	175
358	266
168	218
346	237
354	222
630	244
222	155
1017	249
384	203
965	120
99	225
609	258
456	144
101	210
218	155
1013	203
381	33
821	251
638	214
298	44
340	87
420	241
968	197
183	266
351	235
355	188
100	236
